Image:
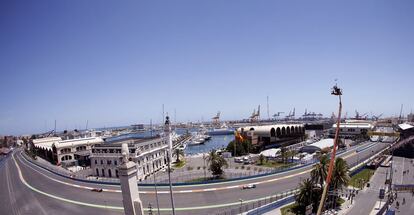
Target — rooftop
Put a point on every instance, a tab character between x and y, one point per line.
59	143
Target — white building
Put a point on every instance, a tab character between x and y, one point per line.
352	129
65	152
267	134
149	154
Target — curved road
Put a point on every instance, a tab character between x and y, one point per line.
29	189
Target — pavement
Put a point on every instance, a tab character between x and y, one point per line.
365	201
29	189
368	202
403	170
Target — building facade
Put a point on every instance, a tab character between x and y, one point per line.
276	135
71	152
149	154
352	129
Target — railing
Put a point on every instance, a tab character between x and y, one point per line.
261	205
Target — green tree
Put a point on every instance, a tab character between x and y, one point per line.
216	163
283	153
340	177
239	148
290	154
309	194
178	153
320	170
261	159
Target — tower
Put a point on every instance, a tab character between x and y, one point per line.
128	177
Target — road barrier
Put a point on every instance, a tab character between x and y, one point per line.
260	206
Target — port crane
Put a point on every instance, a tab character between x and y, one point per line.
291	114
359	116
376	117
277	115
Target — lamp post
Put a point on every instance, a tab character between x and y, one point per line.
167	131
156	190
336	91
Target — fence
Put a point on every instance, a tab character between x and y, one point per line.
249	205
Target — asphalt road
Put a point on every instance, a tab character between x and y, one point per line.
47	193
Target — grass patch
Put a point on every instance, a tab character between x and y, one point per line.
288	210
365	175
179	164
275	164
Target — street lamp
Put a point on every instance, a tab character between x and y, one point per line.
336	91
167	131
156	190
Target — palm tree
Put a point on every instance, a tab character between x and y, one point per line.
261	159
320	170
292	153
308	194
216	163
178	153
340	176
283	153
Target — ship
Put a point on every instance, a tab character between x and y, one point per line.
223	130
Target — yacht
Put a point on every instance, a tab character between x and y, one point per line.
223	130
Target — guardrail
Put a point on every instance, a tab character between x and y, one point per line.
262	205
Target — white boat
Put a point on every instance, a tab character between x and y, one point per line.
197	139
223	130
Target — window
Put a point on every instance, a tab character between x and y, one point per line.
109	173
108	162
96	161
116	173
97	172
115	162
103	173
101	162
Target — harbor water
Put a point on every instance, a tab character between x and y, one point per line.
216	141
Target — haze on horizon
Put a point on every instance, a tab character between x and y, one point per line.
115	63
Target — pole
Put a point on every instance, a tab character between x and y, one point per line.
333	154
170	184
156	191
167	131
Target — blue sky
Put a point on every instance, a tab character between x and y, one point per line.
116	62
